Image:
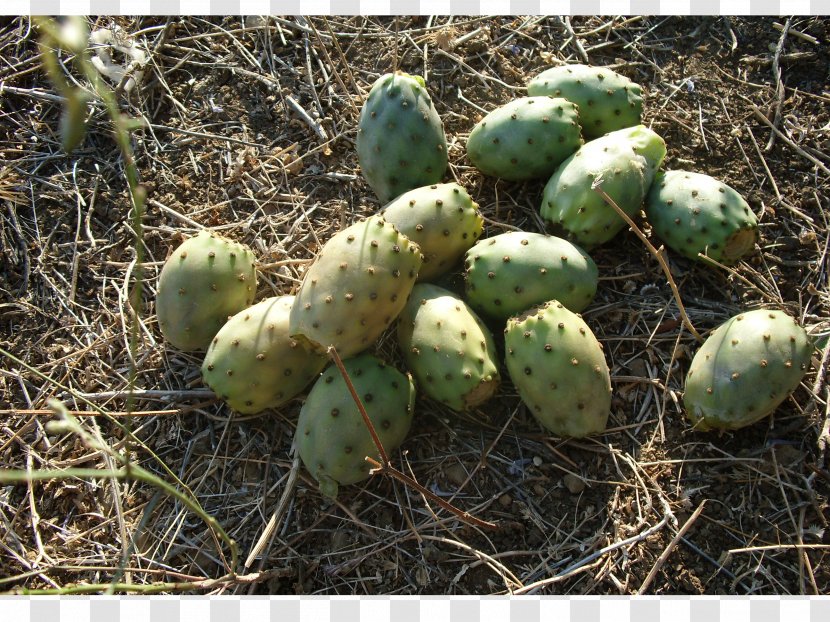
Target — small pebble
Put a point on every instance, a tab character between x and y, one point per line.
574	484
537	461
807	237
456	474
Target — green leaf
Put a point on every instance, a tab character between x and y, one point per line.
133	123
73	120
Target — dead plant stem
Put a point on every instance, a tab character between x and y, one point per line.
657	254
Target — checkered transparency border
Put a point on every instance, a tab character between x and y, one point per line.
432	608
416	7
412	609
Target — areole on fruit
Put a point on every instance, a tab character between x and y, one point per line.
448	348
400	137
559	369
332	438
355	288
204	281
697	214
745	369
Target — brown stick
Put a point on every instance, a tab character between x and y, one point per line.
737	275
667	551
331	64
762	117
395	50
597	187
332	352
266	539
388	469
385	467
345	62
779	85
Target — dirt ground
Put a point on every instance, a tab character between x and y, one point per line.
249	128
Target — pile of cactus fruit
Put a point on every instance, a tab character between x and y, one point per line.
580	130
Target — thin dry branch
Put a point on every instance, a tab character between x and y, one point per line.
668	550
597	187
385	467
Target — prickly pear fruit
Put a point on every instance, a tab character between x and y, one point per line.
448	348
607	100
624	162
558	367
511	272
253	364
442	219
207	279
745	369
525	138
355	288
400	137
695	213
332	438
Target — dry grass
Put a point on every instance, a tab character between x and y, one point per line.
249	129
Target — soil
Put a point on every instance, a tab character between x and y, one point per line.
651	505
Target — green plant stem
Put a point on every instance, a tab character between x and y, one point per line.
97	409
138	195
52	37
129	466
130	471
158	588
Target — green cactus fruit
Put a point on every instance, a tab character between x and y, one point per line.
442	219
525	138
400	137
253	364
207	279
332	438
356	287
558	368
745	369
624	162
695	213
511	272
607	101
448	348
